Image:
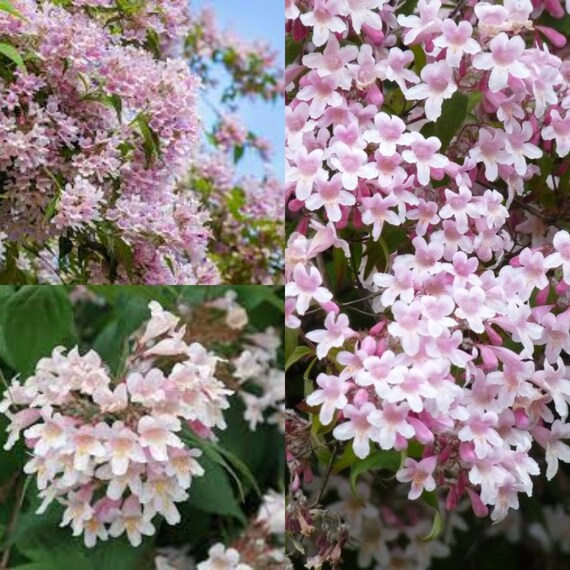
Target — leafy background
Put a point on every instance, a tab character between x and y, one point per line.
35	319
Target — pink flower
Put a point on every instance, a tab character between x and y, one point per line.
479	429
420	474
518	146
407	325
491	151
427	23
333	62
395	67
324	19
391	422
472	306
561	255
133	521
423	155
358	427
503	61
331	195
122	448
336	331
308	168
456	40
330	396
306	287
438	85
376	211
157	435
556	335
558	130
387	133
353	164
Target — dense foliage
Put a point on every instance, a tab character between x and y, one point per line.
141	427
428	279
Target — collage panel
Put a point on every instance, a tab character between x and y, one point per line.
141	142
427	286
142	427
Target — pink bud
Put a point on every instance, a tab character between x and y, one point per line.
377	328
490	361
423	434
493	335
542	296
467	452
561	288
361	397
479	508
331	307
373	36
374	96
381	348
452	499
368	345
521	419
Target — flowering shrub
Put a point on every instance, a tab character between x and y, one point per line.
149	413
101	138
427	267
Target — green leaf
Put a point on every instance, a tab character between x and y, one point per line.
453	113
388	460
12	53
6	6
212	493
292	50
115	102
34	321
430	498
297	354
420	58
238	153
151	141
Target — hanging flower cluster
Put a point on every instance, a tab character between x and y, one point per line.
112	451
428	176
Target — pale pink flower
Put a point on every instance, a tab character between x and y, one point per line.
503	61
438	85
306	286
133	521
353	164
518	146
357	427
490	150
561	255
331	195
473	307
376	211
391	422
308	167
456	40
324	19
420	474
558	130
423	155
336	331
330	396
122	448
363	12
157	435
427	23
387	133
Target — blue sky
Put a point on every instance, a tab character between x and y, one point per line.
253	19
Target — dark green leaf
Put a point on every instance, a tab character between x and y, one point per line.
34	321
388	460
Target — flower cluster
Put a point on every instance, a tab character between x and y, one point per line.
260	546
95	135
112	450
260	379
426	157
